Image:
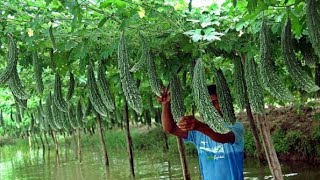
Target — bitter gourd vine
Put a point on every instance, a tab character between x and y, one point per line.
202	100
129	87
268	73
294	67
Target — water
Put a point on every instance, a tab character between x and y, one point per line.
36	165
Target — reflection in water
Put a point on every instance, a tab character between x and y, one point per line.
42	165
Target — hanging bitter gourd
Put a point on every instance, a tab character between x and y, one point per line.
72	117
79	114
12	60
147	60
22	102
294	67
254	88
65	123
313	24
56	115
42	121
224	96
94	93
53	41
88	108
71	86
155	82
48	112
37	68
16	86
1	119
144	55
18	113
202	100
307	51
239	83
106	95
58	97
129	87
268	73
177	105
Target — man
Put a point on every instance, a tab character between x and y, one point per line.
220	155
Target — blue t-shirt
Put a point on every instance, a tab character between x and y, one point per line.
219	161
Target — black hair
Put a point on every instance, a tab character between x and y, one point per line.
212	89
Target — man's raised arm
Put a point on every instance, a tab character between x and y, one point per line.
168	123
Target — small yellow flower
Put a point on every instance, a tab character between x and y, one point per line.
30	32
142	13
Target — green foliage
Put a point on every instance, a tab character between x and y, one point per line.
249	145
280	143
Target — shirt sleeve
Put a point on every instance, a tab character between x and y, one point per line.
238	131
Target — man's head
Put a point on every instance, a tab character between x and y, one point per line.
212	89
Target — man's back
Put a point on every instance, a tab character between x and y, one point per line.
220	161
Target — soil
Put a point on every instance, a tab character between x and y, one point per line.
304	119
289	118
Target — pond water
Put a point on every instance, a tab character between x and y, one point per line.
35	165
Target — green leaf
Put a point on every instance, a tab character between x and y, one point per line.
210	34
194	34
48	2
102	22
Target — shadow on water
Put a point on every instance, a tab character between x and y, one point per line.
41	164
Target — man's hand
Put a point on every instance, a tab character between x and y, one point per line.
188	123
164	98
